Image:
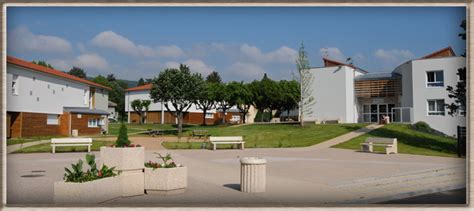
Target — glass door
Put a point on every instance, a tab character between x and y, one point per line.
373	113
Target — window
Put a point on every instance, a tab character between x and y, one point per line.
85	97
93	123
48	86
31	93
209	116
434	79
54	91
15	84
52	119
235	118
435	107
34	78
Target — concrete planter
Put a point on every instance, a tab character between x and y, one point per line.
126	158
91	192
165	179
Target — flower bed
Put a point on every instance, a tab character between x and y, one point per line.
165	176
85	187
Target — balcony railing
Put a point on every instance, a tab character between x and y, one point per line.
378	88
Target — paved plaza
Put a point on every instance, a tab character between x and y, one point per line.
295	177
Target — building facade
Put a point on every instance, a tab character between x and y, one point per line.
414	91
158	113
45	102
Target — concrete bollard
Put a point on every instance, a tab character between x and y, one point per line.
252	174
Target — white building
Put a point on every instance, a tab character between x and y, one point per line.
415	91
42	101
158	113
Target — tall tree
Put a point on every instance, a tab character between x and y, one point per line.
264	94
141	107
242	97
458	93
43	63
78	72
214	77
290	98
111	77
207	99
223	98
141	82
178	87
305	79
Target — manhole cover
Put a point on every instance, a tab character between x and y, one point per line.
33	175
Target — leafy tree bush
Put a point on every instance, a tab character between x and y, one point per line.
76	174
122	139
422	126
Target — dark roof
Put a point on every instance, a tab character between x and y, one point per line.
445	52
140	88
50	71
331	63
377	76
84	110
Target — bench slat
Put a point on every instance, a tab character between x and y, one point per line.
71	140
226	138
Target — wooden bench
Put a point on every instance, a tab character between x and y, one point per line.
390	145
239	140
199	133
62	142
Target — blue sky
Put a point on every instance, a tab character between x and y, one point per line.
241	43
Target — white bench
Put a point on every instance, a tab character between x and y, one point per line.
227	140
62	142
390	145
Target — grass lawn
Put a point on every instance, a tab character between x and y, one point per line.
14	141
134	128
96	144
409	140
269	135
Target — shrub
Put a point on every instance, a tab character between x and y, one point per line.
422	126
167	162
122	139
76	174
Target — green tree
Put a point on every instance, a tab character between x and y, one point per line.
223	98
214	77
305	79
264	94
178	87
458	93
111	77
141	107
78	72
141	82
290	95
207	99
242	97
101	80
43	63
122	139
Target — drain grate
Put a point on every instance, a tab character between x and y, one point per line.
32	175
38	171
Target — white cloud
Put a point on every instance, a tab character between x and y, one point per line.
89	62
245	71
333	53
195	65
21	39
282	55
112	40
394	55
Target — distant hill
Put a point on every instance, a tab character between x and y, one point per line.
130	84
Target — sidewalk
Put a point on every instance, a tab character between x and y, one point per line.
345	137
16	147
